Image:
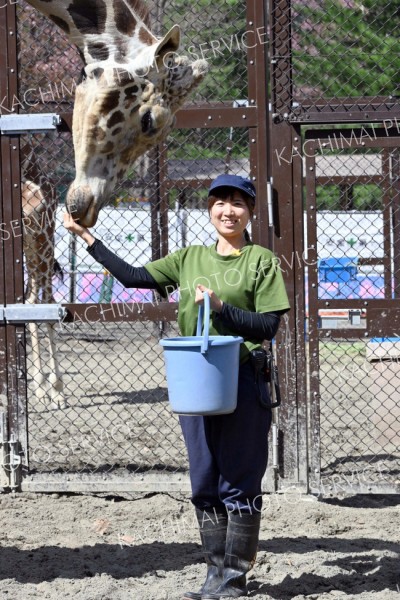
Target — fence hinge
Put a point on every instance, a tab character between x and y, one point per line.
4	454
10	124
32	313
14	462
10	457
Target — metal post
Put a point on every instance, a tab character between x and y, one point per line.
13	366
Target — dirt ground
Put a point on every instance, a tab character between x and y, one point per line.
106	548
147	547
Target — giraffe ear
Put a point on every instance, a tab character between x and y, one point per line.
169	43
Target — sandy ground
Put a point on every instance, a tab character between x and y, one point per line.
105	548
147	547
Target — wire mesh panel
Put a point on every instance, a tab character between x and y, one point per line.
49	68
353	246
97	397
116	414
327	55
218	33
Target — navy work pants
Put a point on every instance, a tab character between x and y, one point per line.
228	454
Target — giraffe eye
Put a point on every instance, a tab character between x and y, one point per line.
147	122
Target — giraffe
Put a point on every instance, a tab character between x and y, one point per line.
133	85
38	246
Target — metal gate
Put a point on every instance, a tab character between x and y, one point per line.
319	142
334	138
352	255
110	429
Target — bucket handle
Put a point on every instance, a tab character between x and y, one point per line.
204	311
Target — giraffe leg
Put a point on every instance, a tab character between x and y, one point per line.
56	385
39	380
39	260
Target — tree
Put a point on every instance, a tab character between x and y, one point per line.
343	51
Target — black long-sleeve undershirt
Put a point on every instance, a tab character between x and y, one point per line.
128	275
260	326
253	325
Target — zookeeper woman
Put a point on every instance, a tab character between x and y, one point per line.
227	453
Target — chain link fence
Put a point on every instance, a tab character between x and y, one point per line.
112	414
356	262
331	53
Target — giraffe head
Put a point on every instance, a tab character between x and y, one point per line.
134	83
120	112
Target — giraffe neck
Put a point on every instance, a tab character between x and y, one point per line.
104	30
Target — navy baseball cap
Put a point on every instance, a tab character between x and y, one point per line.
234	181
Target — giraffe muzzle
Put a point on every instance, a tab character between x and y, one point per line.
81	205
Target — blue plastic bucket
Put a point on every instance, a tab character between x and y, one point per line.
202	370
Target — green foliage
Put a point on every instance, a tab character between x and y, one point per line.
213	31
208	143
345	51
363	197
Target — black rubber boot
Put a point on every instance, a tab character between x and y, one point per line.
240	556
213	524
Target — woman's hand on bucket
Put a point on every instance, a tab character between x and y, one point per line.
215	303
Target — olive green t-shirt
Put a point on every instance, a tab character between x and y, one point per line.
249	279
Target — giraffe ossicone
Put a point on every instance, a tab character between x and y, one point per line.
134	84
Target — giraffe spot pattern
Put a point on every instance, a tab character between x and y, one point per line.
97	73
133	89
122	76
110	102
129	101
125	21
89	16
121	50
115	118
98	51
116	131
109	147
145	36
99	134
140	10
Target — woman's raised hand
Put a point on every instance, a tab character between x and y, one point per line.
215	302
74	227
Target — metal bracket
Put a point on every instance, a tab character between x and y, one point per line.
15	462
269	203
32	313
4	456
10	124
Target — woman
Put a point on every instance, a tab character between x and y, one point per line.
227	453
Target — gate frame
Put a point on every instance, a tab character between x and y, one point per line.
12	337
255	118
376	325
286	123
274	129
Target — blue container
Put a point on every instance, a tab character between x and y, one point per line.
339	270
202	371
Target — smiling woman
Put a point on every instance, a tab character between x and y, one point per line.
227	453
230	212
